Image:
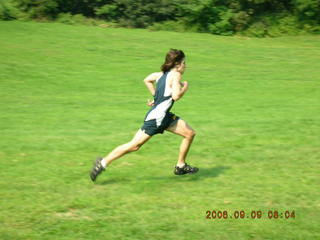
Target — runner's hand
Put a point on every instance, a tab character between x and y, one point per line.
185	85
150	103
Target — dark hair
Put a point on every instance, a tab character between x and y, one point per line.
173	58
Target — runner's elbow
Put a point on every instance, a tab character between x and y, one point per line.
175	98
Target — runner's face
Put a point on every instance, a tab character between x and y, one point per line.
182	67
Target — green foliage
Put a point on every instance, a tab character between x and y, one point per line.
284	26
277	25
240	20
66	18
250	17
257	29
8	11
311	28
108	11
205	13
224	25
176	26
39	9
78	19
308	10
84	7
140	13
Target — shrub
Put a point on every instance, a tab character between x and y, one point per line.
257	29
224	25
311	28
8	11
39	9
177	26
240	20
108	11
274	26
65	18
258	18
308	10
284	26
79	19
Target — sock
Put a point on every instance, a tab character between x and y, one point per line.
181	166
103	163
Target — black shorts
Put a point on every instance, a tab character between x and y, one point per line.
150	126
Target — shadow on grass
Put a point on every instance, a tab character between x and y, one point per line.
203	173
212	172
114	181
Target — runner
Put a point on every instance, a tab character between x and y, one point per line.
169	89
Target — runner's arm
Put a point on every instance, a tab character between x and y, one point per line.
150	80
178	88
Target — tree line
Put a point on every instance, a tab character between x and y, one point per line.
249	17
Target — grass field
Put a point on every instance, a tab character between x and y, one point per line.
72	93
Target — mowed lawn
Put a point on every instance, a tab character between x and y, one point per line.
71	93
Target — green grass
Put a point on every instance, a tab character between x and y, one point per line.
71	93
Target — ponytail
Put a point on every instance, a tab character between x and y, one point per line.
173	58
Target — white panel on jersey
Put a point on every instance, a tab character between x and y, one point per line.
159	112
168	90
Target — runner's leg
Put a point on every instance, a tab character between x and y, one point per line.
138	140
183	129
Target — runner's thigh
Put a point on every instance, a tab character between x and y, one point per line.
181	128
140	138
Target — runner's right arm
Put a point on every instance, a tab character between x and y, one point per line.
150	80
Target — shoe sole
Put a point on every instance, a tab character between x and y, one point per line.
187	173
93	178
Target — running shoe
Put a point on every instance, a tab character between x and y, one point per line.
97	169
185	169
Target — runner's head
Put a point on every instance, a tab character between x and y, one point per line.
174	59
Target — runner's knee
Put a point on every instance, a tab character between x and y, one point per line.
191	134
